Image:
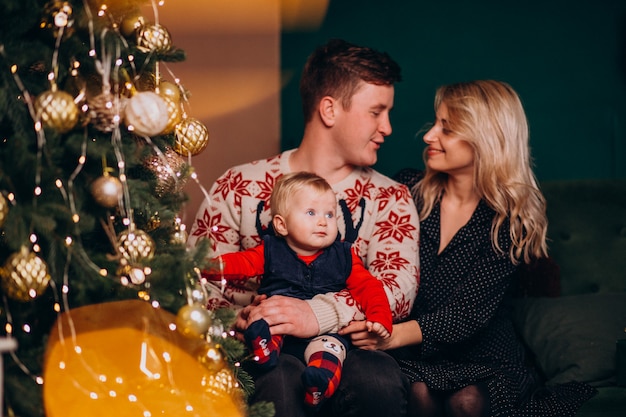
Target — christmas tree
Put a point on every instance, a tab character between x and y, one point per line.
98	288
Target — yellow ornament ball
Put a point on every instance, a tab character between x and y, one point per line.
123	359
57	109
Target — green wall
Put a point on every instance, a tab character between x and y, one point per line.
566	59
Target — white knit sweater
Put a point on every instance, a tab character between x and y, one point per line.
387	240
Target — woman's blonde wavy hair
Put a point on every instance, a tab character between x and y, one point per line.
489	115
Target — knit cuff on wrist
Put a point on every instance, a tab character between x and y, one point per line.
326	315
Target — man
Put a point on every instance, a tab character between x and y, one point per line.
347	94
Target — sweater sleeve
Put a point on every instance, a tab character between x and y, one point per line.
369	294
386	219
237	265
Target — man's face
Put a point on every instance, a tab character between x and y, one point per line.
360	130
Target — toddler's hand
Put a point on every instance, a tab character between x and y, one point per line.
379	329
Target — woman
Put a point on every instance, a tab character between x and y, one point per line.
482	214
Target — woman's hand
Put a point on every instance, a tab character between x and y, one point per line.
403	334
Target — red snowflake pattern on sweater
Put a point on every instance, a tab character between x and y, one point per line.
354	195
237	185
396	227
388	260
266	186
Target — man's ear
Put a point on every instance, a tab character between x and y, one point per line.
328	110
280	226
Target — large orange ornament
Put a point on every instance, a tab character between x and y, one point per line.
126	358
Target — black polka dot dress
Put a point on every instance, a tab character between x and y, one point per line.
468	336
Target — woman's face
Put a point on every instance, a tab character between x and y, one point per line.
447	152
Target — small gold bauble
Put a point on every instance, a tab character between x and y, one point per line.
192	137
211	356
57	109
4	209
146	113
154	222
169	172
24	275
193	320
106	111
107	191
135	274
174	113
154	37
131	24
169	90
56	15
135	246
171	94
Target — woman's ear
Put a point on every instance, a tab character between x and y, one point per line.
280	226
327	109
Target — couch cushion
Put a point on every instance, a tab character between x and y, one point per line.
587	233
574	337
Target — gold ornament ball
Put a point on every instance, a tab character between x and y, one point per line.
56	109
131	24
192	137
171	94
24	275
193	320
146	113
174	115
107	191
135	245
211	356
4	209
154	37
169	90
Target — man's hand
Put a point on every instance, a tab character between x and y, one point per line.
285	315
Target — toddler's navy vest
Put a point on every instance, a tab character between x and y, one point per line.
285	274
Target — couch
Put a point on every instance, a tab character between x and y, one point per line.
572	313
570	308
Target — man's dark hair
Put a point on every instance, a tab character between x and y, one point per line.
336	69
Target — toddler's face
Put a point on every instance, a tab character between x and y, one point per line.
311	221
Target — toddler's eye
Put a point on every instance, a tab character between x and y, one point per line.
310	213
330	215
